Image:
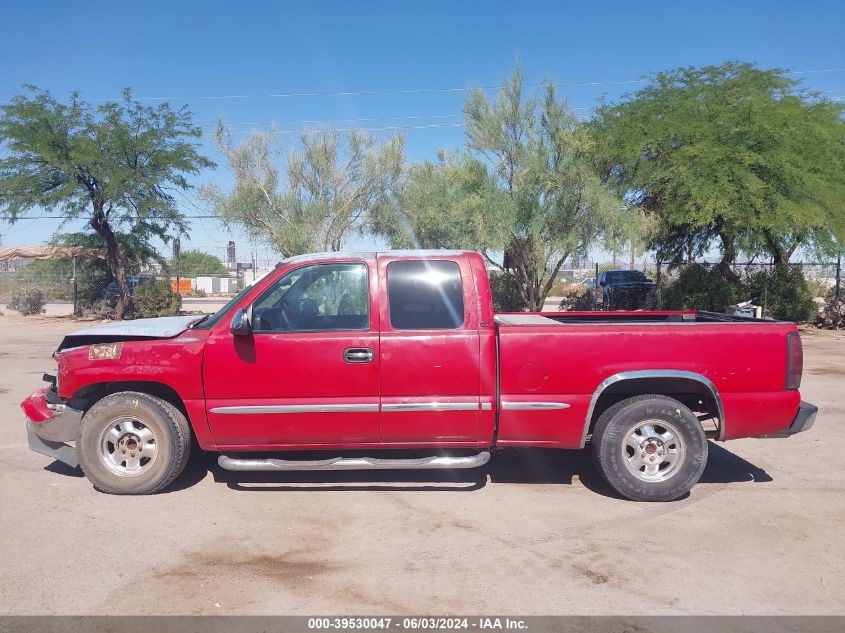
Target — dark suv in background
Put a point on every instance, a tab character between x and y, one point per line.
111	293
624	290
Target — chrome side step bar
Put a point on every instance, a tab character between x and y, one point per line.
354	463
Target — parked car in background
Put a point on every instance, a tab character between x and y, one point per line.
111	293
624	289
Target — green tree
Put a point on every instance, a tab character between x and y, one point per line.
329	187
526	186
632	237
119	165
451	203
194	263
731	155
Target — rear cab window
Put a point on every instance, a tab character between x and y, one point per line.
425	295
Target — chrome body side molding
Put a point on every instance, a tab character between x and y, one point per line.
431	406
296	408
654	373
355	463
533	406
351	408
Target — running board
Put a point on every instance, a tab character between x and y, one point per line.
354	463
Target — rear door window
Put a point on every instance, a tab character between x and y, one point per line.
425	295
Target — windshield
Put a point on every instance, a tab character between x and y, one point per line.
208	322
625	276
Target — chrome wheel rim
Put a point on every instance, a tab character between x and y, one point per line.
653	450
128	447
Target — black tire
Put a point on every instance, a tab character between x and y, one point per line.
613	457
172	439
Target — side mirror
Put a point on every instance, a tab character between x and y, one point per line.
240	323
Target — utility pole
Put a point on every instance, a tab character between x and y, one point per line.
75	288
177	252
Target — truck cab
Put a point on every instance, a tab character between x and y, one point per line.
352	351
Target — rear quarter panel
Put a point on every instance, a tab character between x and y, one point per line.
746	362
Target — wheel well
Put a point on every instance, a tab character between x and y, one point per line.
694	394
87	396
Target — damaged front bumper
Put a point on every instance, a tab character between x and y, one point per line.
50	423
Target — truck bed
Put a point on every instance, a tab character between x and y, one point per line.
542	360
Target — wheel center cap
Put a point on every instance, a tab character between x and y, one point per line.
650	448
130	443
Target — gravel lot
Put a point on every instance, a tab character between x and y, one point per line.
535	532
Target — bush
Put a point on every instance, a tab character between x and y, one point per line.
698	288
832	315
784	293
156	299
98	308
818	287
577	299
505	293
782	290
28	301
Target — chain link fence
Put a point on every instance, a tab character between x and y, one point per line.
58	292
92	293
597	287
603	287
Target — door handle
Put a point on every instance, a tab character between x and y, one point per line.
358	355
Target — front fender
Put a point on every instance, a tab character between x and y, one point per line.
175	362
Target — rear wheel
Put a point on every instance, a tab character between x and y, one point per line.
133	444
650	448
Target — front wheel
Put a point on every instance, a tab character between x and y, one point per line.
132	443
650	448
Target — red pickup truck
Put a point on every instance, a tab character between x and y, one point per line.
354	353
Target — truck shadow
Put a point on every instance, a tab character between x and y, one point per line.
520	466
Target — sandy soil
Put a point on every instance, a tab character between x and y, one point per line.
535	532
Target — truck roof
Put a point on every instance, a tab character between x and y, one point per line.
420	252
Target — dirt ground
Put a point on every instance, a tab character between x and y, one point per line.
535	532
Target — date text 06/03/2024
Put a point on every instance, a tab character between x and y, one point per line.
416	623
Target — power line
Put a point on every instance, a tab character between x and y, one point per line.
401	91
409	117
809	72
358	129
358	93
308	121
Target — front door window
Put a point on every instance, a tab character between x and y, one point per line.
319	298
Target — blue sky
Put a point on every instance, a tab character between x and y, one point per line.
191	51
